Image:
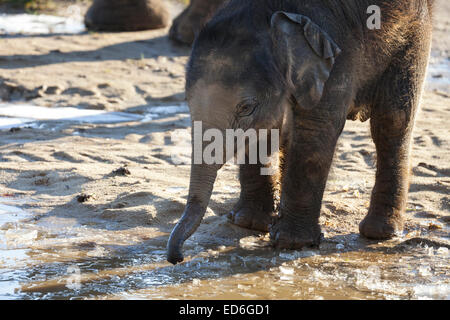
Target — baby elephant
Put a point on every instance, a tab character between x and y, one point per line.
303	67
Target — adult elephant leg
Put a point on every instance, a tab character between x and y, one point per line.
188	24
307	162
392	123
126	15
257	203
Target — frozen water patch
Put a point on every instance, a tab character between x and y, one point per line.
11	214
432	292
157	112
16	115
169	109
438	76
20	115
175	189
39	24
6	123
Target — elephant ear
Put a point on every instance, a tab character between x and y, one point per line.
307	54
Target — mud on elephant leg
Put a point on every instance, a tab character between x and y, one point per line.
257	203
392	138
392	123
308	161
385	217
391	132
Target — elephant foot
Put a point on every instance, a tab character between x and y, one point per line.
285	235
381	227
114	15
251	216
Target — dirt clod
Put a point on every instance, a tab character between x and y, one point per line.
122	171
83	197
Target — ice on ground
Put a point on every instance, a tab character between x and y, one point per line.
175	189
11	214
438	75
157	112
169	109
22	114
19	115
7	123
39	24
430	292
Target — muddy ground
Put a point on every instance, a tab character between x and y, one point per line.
101	198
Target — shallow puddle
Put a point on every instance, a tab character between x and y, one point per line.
12	255
74	266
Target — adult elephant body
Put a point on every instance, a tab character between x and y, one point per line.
304	67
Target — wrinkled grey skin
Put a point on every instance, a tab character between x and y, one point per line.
305	67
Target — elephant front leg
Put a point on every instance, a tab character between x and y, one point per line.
256	206
309	158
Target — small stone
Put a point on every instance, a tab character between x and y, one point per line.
434	226
83	197
122	171
53	90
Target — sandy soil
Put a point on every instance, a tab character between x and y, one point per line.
51	166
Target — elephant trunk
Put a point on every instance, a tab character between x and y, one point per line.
200	190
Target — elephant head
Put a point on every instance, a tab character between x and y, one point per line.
249	73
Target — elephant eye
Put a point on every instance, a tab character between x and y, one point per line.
246	108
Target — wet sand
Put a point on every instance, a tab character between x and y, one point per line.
93	203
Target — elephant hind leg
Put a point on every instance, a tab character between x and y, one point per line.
392	122
385	218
